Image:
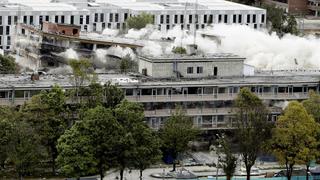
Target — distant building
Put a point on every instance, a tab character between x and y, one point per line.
96	15
310	8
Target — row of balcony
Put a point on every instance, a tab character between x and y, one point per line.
214	97
183	98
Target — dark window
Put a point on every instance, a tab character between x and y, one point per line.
196	18
181	19
255	26
75	31
168	26
215	71
96	17
189	70
190	18
116	17
200	70
205	19
1	30
176	19
262	18
103	25
31	19
225	18
15	19
101	17
47	18
125	16
253	18
248	18
118	25
24	19
111	17
85	27
240	18
81	19
161	19
168	19
40	19
87	19
219	18
109	25
234	20
9	20
7	30
210	19
62	19
72	20
56	19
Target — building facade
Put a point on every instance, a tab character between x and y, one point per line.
95	16
209	101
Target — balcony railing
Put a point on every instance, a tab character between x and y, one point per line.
211	97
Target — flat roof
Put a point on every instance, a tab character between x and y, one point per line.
197	57
134	5
127	81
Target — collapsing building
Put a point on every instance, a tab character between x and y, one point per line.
46	43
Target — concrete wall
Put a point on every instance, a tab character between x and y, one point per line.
165	69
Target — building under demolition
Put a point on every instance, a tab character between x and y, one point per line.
96	15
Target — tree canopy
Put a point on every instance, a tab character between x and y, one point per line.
294	137
8	65
176	134
139	21
253	129
312	105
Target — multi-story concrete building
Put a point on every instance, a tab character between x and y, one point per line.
96	15
209	100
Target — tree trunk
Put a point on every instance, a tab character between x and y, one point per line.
228	177
307	175
174	166
101	174
53	159
20	177
248	171
121	174
141	174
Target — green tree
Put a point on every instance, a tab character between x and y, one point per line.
94	95
293	139
253	129
179	50
131	117
8	65
280	21
113	95
81	72
6	126
25	151
291	25
177	132
102	133
124	65
228	161
147	151
140	21
312	105
75	153
46	112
